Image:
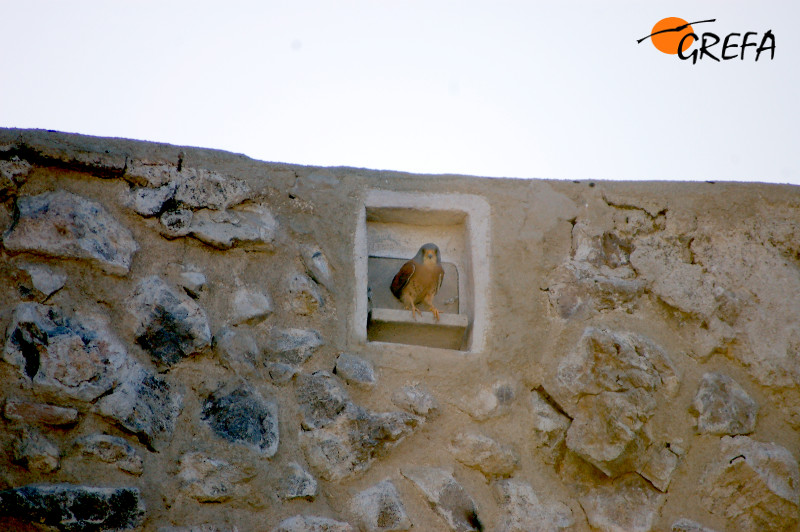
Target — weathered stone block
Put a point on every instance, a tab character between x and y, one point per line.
244	417
447	497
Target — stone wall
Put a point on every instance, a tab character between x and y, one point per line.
184	347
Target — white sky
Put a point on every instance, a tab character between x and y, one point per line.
555	89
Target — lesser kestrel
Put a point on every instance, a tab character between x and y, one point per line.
419	279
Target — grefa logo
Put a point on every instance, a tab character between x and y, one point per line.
674	35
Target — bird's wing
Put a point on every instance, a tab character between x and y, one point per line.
440	278
402	277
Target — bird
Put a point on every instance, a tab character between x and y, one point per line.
419	280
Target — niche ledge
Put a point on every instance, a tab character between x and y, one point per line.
391	228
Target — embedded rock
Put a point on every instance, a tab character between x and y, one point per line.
484	454
74	356
150	201
687	525
293	346
355	370
312	523
200	188
169	325
417	400
65	225
379	509
659	466
754	485
489	402
549	428
39	413
523	512
304	296
610	385
75	508
447	497
298	483
244	417
13	172
321	399
144	404
37	453
209	480
317	265
45	279
151	173
176	223
723	407
192	282
238	348
249	225
250	307
628	503
111	450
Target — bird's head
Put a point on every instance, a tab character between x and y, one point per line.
429	254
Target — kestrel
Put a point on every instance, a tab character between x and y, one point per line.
419	279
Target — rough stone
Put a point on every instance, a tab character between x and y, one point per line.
446	496
416	399
75	356
304	297
192	282
210	480
40	413
489	401
65	225
317	266
13	172
687	525
379	508
205	527
298	483
251	226
723	407
176	223
150	201
71	507
199	188
484	454
169	325
249	306
151	173
659	466
321	399
609	385
523	512
628	503
238	348
293	346
37	453
312	523
144	404
549	428
754	485
355	370
112	450
244	417
45	279
281	373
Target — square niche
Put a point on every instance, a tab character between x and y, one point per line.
392	228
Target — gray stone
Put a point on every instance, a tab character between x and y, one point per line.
45	279
169	324
304	296
13	172
484	454
609	385
417	400
489	401
244	417
65	225
210	480
77	356
111	450
321	399
523	512
192	282
37	453
144	404
659	466
723	407
281	373
687	525
176	223
150	201
238	348
446	496
74	508
293	346
355	370
250	225
199	188
379	508
317	266
205	527
754	485
249	306
39	413
151	173
549	428
298	483
628	503
312	523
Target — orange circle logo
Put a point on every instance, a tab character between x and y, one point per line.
668	32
